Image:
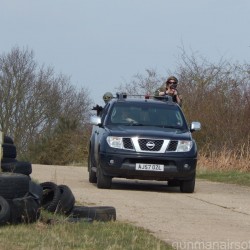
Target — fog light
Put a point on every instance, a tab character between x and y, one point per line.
111	162
186	166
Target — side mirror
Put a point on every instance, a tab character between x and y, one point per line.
95	120
195	126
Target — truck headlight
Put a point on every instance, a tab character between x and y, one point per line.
184	146
115	142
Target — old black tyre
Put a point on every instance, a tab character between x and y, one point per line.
51	196
99	213
9	150
8	139
103	181
4	211
8	160
13	185
187	186
36	191
92	174
66	201
24	210
20	167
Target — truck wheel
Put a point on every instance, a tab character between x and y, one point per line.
4	211
187	186
99	213
92	174
103	181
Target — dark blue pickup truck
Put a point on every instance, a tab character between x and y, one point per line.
142	138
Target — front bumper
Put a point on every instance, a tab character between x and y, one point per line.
177	166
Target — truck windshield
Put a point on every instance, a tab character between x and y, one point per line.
146	114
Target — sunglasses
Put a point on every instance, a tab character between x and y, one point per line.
171	83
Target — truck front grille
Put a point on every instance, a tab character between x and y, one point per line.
149	145
172	145
127	143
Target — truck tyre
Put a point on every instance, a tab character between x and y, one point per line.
20	167
13	185
99	213
51	196
103	181
4	211
9	150
187	186
92	174
66	201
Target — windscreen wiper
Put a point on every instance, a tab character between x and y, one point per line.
134	124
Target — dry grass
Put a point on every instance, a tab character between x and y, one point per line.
225	160
65	235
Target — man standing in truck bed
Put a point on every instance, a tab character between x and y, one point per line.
170	88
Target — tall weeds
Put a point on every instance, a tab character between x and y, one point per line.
225	159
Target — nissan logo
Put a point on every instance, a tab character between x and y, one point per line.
150	145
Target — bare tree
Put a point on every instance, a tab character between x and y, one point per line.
32	98
216	94
142	85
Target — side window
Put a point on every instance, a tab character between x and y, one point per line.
104	112
114	115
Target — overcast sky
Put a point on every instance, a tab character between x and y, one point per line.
103	43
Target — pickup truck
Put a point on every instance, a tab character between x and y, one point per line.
142	138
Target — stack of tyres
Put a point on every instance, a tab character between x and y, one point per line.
18	201
9	163
19	196
22	199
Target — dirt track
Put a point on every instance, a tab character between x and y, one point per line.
216	215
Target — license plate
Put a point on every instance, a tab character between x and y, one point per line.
149	167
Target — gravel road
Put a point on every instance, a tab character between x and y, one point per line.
216	216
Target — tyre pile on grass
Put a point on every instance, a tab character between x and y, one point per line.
22	199
9	162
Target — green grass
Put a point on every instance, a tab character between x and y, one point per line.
61	234
234	177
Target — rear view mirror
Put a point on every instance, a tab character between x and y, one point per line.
95	120
195	126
